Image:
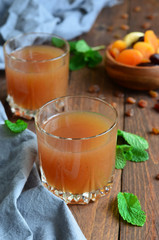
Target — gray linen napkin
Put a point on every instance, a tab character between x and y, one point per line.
28	211
66	18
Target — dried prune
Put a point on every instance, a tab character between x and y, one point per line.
154	58
146	64
140	39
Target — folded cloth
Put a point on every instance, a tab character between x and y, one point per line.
66	18
27	209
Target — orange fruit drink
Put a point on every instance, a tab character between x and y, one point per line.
35	75
77	155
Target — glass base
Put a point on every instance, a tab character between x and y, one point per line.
83	198
19	111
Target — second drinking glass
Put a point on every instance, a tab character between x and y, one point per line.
36	66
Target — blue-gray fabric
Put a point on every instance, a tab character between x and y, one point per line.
28	211
66	18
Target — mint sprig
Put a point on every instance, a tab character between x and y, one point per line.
133	149
83	55
130	209
57	42
17	127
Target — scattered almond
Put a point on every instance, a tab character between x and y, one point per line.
155	130
153	94
119	94
146	25
124	27
124	16
110	28
94	88
130	112
150	17
131	100
142	103
137	9
117	36
114	104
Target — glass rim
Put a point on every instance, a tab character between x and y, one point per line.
35	61
75	139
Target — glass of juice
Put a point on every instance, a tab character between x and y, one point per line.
37	67
77	147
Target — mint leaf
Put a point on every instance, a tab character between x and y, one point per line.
16	127
133	149
128	155
139	155
57	42
83	55
82	46
123	153
77	62
72	45
130	209
92	58
134	140
120	161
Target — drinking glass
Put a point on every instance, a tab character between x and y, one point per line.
77	147
36	66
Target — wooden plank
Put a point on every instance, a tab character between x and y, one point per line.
139	178
100	220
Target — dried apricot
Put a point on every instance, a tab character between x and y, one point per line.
119	44
114	52
117	47
151	38
145	48
130	57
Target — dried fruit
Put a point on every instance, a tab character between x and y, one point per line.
132	37
155	130
157	176
151	38
142	103
130	112
130	57
156	107
131	100
119	94
146	25
110	28
117	47
153	94
114	52
117	36
150	17
124	27
94	88
137	9
119	44
114	104
146	64
124	16
145	48
155	58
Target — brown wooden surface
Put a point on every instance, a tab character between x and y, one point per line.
100	220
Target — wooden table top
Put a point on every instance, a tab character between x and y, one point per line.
101	220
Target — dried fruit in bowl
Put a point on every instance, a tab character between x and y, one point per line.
136	49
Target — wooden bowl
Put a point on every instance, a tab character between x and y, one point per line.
133	77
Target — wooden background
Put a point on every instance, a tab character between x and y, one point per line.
100	220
